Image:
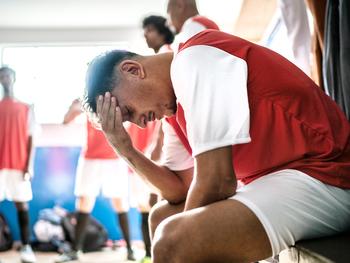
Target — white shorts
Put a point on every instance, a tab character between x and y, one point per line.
110	176
13	187
139	191
293	206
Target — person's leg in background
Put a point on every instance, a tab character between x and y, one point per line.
115	186
27	254
84	206
87	187
145	209
19	190
121	208
144	199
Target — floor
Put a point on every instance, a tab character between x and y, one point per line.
106	256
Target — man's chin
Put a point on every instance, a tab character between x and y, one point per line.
169	113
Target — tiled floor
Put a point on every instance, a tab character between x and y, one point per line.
107	256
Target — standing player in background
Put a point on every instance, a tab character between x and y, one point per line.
157	34
17	124
185	21
100	168
158	37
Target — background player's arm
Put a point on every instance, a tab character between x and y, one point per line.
29	163
32	129
73	111
214	179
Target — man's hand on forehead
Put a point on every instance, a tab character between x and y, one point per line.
111	120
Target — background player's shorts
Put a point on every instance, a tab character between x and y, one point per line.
110	176
293	206
139	191
13	187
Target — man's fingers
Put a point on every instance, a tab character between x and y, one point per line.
111	114
99	105
105	109
118	117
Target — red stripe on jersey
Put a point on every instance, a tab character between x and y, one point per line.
178	123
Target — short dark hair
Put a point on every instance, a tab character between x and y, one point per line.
160	25
8	70
101	76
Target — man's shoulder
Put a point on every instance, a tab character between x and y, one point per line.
206	22
213	38
15	103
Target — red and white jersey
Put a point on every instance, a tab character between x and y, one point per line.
233	92
97	146
193	26
17	124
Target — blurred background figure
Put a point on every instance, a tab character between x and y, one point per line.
157	34
185	21
17	124
294	16
99	169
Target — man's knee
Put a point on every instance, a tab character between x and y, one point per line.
157	215
161	211
168	244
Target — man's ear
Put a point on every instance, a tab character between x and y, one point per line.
132	67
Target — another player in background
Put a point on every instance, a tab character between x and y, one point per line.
17	125
99	169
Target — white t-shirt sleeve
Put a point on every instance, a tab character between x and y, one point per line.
175	156
211	86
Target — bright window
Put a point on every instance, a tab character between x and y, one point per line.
51	77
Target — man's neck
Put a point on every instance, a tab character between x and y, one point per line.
8	94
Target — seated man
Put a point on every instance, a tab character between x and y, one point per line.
243	112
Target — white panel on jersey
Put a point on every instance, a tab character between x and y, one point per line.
211	86
175	156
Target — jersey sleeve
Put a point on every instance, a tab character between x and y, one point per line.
211	86
175	156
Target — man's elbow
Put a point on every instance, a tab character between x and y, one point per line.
175	197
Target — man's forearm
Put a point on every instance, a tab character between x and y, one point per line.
170	185
30	150
203	193
214	178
